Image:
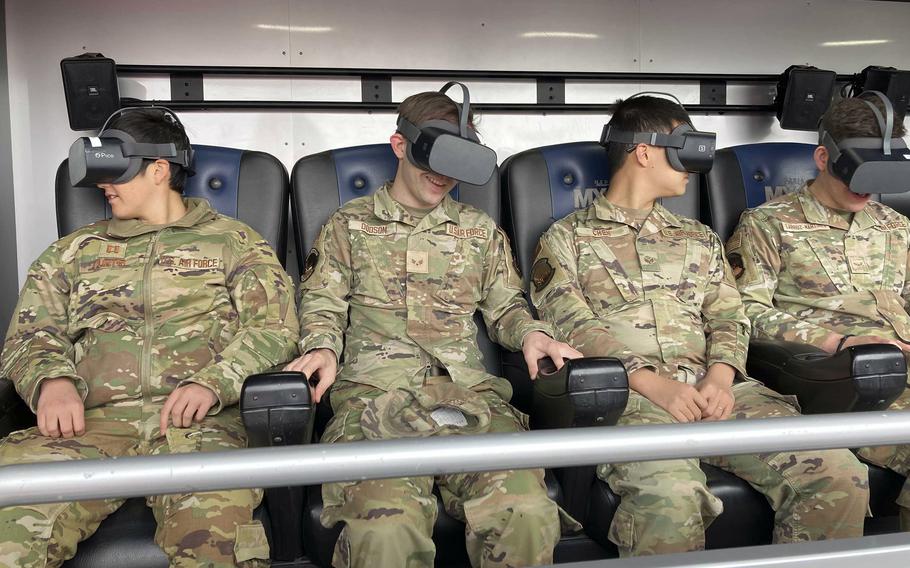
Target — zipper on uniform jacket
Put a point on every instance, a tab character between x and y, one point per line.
145	362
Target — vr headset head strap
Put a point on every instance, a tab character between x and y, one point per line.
464	109
885	124
134	149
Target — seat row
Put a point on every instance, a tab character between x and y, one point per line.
534	188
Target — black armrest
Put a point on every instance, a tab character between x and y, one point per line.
859	378
277	411
592	391
14	413
586	392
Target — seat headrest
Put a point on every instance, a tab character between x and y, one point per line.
217	177
746	176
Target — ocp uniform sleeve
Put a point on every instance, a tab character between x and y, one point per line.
38	345
754	254
557	295
726	325
263	296
324	289
503	305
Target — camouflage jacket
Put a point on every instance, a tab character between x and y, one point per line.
131	311
804	271
660	297
398	297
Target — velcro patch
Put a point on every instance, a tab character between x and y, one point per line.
683	234
892	226
466	232
736	241
736	264
112	250
309	265
418	261
542	273
802	227
369	229
190	262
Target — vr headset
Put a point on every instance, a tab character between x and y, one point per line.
115	157
448	150
870	165
688	150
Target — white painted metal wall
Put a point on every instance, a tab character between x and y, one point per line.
737	36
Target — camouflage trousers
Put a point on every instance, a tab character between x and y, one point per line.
509	519
896	458
215	530
666	506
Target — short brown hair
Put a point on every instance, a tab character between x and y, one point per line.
432	105
852	118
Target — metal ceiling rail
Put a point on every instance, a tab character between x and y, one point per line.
318	463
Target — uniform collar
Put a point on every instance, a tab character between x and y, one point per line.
818	213
197	211
387	209
659	219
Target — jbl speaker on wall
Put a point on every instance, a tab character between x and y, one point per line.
90	85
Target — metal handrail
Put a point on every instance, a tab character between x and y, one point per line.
313	464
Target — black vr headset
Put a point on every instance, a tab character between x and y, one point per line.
115	157
448	150
870	165
688	150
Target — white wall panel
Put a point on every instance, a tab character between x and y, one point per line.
577	35
570	35
767	36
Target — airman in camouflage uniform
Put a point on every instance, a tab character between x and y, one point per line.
391	288
627	278
138	320
829	267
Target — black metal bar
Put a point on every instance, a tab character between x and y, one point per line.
361	106
449	73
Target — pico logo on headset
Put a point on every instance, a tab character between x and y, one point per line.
867	164
688	150
448	150
115	157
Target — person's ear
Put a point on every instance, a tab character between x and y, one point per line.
821	158
161	172
399	145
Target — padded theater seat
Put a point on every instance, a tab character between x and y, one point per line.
220	173
746	176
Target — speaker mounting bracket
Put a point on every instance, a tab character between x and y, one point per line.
186	87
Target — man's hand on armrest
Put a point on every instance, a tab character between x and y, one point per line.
318	364
538	345
60	409
682	401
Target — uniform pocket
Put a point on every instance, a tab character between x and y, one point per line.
622	530
251	543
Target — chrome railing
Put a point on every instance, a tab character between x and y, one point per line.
319	463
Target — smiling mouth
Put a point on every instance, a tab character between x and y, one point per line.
438	181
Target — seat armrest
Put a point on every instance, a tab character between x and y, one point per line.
14	413
858	378
277	411
591	391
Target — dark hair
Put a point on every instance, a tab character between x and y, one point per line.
852	118
432	105
642	114
155	126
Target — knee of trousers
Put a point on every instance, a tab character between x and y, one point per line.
532	515
829	475
397	540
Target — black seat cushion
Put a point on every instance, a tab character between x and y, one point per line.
747	519
884	487
127	538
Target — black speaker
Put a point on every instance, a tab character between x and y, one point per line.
895	84
90	85
803	95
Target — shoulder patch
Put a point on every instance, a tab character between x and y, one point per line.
736	264
542	273
309	265
736	241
